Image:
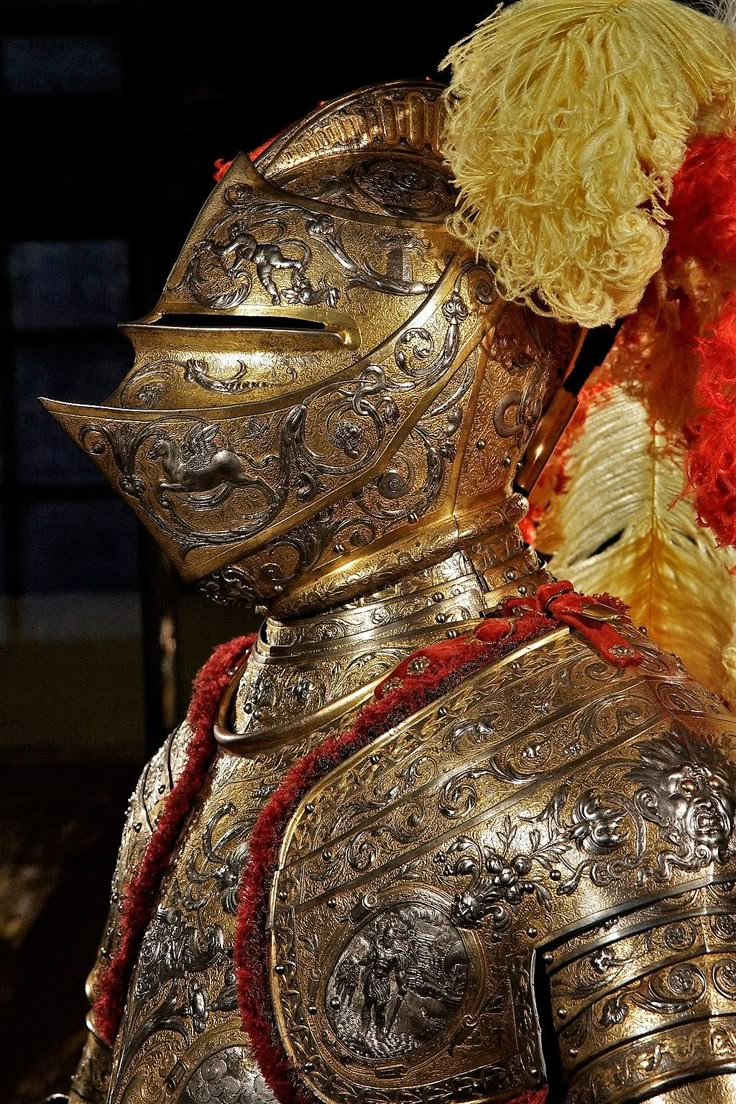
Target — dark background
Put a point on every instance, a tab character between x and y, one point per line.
114	114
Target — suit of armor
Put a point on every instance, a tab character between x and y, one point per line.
530	880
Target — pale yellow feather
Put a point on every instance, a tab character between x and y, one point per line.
567	120
625	492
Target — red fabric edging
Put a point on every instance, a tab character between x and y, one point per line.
139	896
424	677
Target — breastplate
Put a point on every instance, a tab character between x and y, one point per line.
460	908
180	1038
513	884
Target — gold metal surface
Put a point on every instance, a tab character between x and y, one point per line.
714	1090
310	389
551	830
544	795
554	422
92	1077
307	673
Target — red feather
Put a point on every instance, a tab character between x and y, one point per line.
711	462
703	204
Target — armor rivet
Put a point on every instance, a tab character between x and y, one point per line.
413	820
548	958
555	875
522	590
533	1071
573	1052
442	711
507	461
452	634
440	618
480	444
327	856
278	589
312	1010
309	808
531	932
643	629
332	903
375	759
162	789
562	1012
509	575
335	1003
137	827
308	1067
438	597
339	548
248	708
282	895
413	517
279	970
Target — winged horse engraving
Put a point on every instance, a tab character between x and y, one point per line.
195	465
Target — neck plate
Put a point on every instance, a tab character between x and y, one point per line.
311	672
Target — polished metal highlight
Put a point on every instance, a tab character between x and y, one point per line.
534	877
311	389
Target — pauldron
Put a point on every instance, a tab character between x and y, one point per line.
553	840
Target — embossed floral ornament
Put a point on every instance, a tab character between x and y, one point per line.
347	436
500	880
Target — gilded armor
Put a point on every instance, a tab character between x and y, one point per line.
277	429
529	881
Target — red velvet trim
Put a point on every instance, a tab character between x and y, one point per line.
445	665
539	1096
571	609
139	895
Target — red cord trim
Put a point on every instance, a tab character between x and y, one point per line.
139	896
416	682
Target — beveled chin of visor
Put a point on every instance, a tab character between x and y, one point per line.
212	488
178	475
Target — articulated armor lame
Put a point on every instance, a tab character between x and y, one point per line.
529	880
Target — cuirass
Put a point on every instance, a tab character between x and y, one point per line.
529	880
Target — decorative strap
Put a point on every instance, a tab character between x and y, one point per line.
553	604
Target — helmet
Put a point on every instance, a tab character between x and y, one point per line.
329	371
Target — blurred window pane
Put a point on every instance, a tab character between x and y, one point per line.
82	369
60	284
79	545
58	64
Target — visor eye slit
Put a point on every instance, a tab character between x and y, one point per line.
243	322
341	328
